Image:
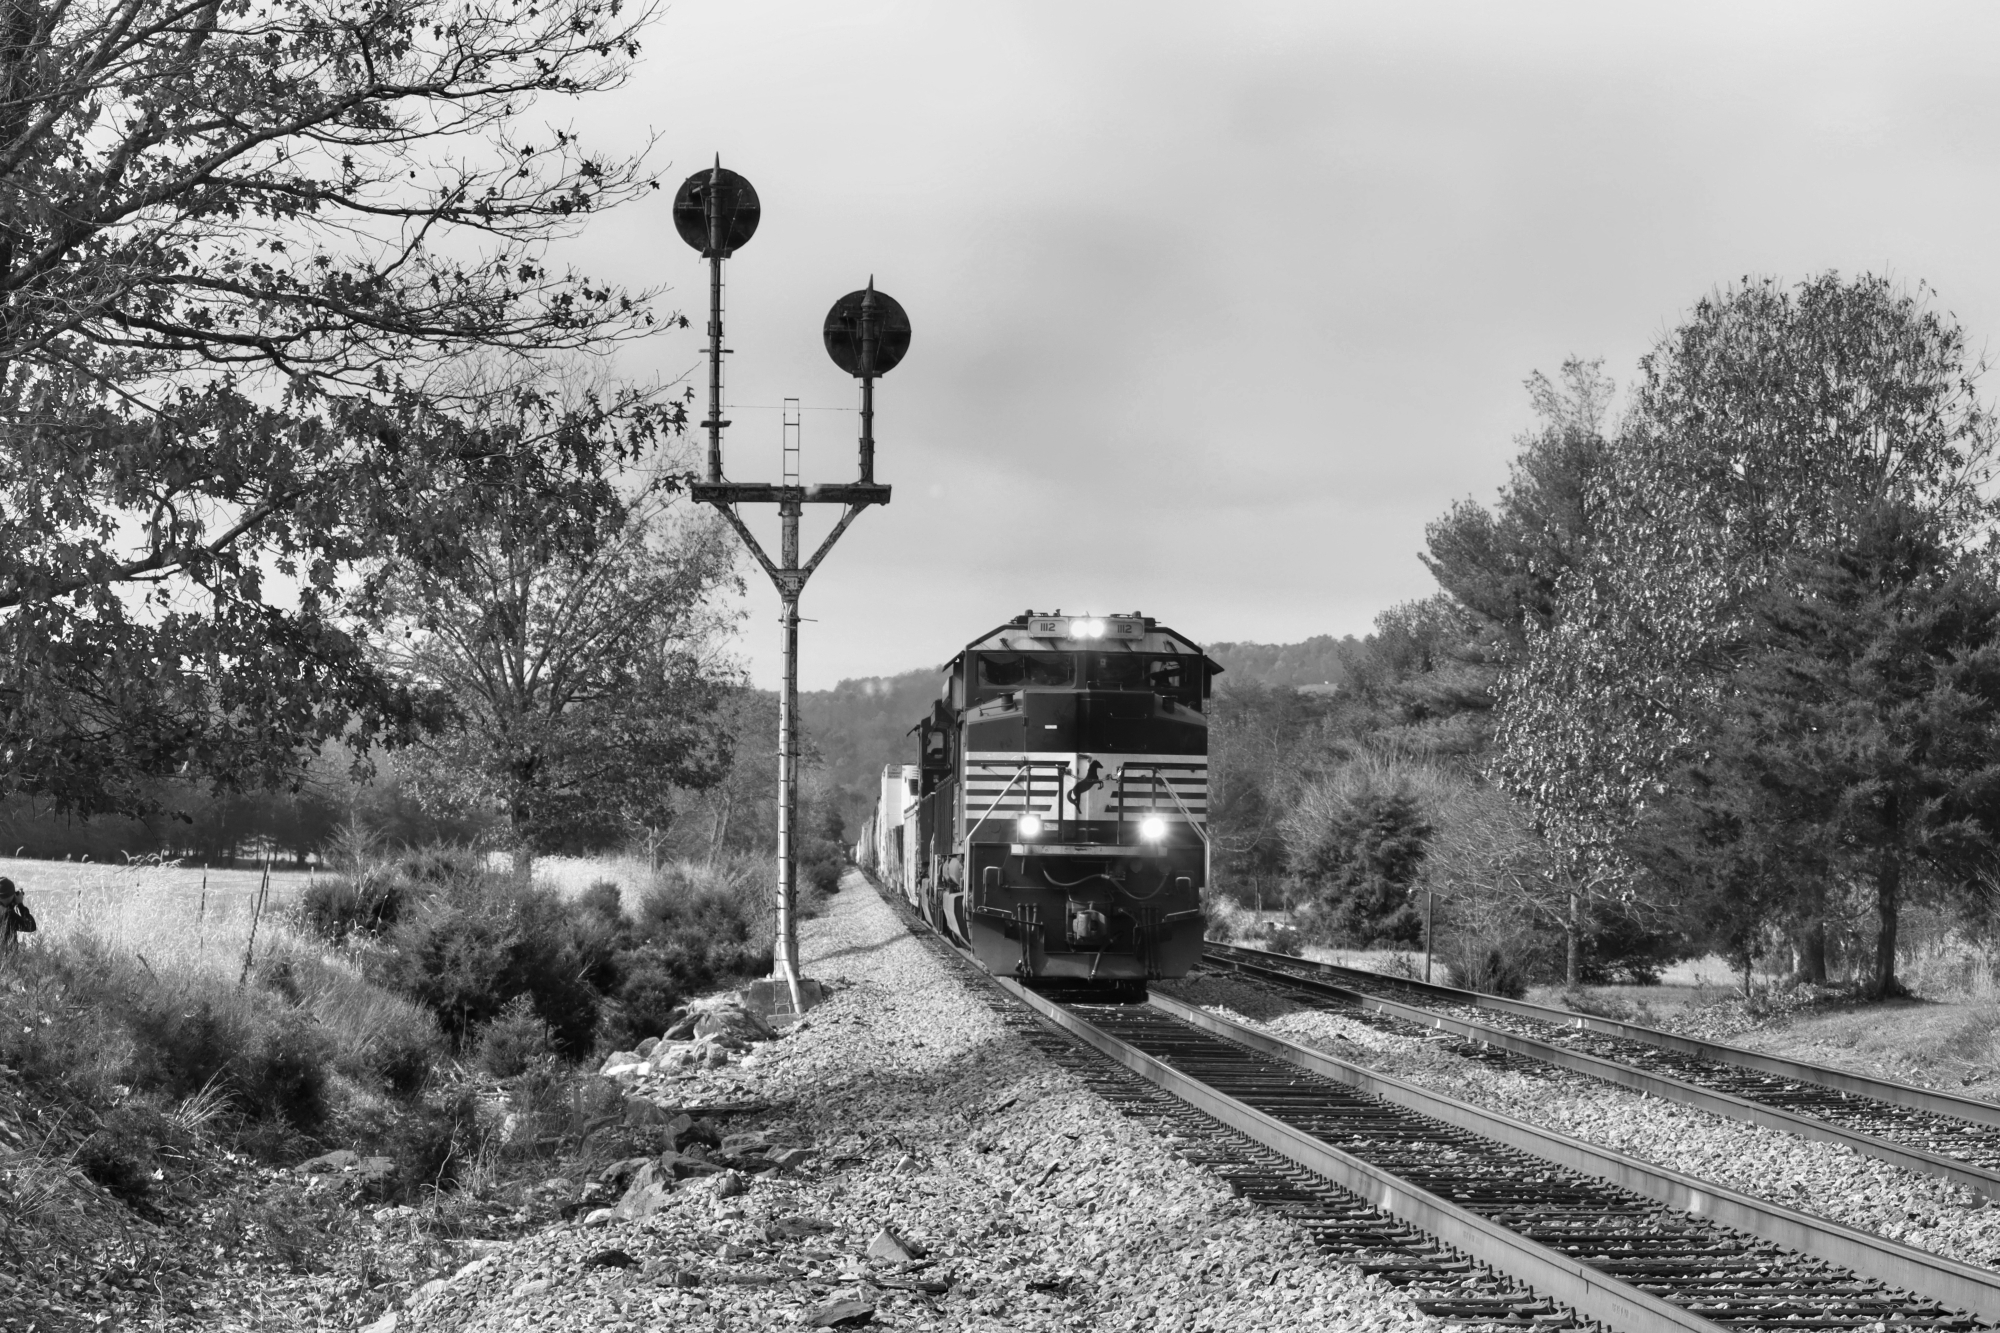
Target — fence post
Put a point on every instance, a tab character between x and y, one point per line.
256	914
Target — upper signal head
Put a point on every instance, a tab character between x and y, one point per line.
716	211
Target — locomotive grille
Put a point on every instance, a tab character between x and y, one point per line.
1045	789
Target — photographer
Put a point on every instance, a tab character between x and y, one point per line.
15	918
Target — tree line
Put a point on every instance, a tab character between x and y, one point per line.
1717	671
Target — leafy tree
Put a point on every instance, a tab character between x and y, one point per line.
1765	425
582	670
241	246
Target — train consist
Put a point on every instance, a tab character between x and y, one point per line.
1055	824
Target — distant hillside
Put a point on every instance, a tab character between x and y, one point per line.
860	725
1316	663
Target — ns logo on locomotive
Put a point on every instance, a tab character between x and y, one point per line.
1055	824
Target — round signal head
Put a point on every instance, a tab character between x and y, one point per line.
1152	828
866	332
735	200
1028	826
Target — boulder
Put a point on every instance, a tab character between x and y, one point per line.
889	1246
729	1014
644	1113
619	1062
785	1159
646	1195
340	1159
842	1314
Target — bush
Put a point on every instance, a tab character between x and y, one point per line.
123	1153
695	932
1278	937
336	907
821	864
471	949
271	1060
380	1039
1491	966
1358	842
90	1019
374	894
515	1042
602	899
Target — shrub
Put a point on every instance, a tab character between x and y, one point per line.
336	907
602	899
270	1058
380	1039
472	948
1278	938
433	1145
515	1042
90	1019
821	864
694	932
123	1153
1358	842
1493	967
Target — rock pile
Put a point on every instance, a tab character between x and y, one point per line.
711	1034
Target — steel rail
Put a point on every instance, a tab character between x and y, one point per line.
1596	1295
1664	1086
1440	1280
1906	1095
1948	1281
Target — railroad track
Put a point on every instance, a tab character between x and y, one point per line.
1484	1218
1920	1129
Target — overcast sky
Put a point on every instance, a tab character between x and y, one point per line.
1217	305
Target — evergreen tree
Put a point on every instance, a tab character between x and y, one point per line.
1865	729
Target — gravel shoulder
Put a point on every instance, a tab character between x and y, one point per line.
1034	1203
1824	1179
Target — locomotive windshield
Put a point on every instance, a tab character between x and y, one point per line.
1010	671
1177	677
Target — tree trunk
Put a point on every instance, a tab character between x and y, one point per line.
1888	902
1572	945
1810	942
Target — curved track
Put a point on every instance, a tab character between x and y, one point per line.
1919	1129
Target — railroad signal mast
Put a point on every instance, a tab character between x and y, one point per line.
866	333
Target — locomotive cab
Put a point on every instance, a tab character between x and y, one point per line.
1063	802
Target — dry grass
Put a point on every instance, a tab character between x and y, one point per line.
162	913
571	875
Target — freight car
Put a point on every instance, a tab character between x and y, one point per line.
1055	824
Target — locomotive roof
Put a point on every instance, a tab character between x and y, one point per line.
1055	631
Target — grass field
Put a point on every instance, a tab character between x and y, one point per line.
170	915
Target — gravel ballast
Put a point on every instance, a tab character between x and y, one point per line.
1820	1178
1014	1198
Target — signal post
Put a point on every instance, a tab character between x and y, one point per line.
866	333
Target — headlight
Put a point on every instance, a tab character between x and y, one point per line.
1152	828
1028	826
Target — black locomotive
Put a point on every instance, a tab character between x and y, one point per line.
1055	824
